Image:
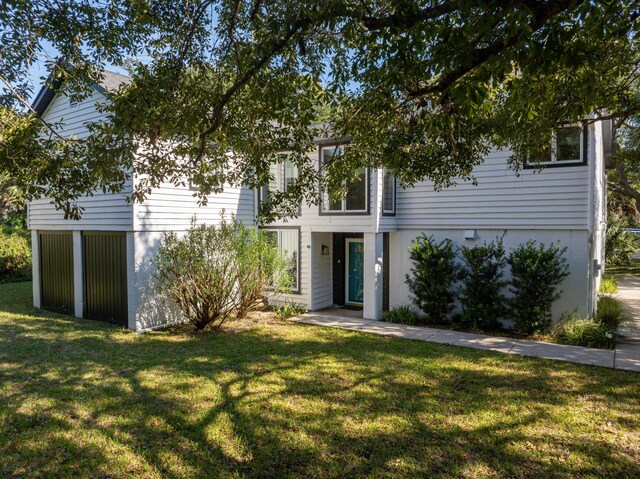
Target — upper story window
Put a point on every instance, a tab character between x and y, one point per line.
388	193
357	199
283	176
568	147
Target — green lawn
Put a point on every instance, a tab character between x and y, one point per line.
85	399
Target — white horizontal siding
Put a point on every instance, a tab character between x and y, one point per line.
172	208
555	198
102	211
321	274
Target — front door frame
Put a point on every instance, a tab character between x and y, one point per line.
346	271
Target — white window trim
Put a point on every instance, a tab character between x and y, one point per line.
554	150
297	288
343	201
280	178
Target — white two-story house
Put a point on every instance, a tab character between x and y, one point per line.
351	252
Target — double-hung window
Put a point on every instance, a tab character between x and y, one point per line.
283	177
288	243
357	198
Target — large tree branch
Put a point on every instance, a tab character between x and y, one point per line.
542	13
215	118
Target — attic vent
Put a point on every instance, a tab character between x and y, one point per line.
73	104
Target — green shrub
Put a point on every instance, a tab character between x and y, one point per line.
608	285
577	331
612	312
288	310
536	273
482	298
213	272
620	245
433	273
402	315
15	258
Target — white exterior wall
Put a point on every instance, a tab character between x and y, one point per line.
102	211
555	198
575	287
321	271
172	208
150	308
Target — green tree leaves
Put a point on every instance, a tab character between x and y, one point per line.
422	88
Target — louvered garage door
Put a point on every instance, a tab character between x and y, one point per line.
105	276
56	271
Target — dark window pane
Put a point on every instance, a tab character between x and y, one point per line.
357	192
568	144
388	193
264	194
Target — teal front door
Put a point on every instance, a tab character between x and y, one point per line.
355	271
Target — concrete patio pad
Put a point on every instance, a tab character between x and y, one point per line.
625	357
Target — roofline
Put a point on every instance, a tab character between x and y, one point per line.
49	90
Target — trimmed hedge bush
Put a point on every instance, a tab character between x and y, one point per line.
432	276
481	296
15	258
536	273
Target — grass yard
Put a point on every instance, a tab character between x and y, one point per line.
85	399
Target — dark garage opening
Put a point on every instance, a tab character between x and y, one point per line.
56	271
105	276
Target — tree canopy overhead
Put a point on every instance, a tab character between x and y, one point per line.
420	87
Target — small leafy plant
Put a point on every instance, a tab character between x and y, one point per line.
432	276
612	312
608	285
620	245
578	331
482	298
288	310
536	271
403	315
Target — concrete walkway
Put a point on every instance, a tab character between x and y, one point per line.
629	292
625	356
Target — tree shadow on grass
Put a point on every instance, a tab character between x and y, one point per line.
86	399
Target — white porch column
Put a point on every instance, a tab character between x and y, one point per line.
132	291
373	276
35	268
78	281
